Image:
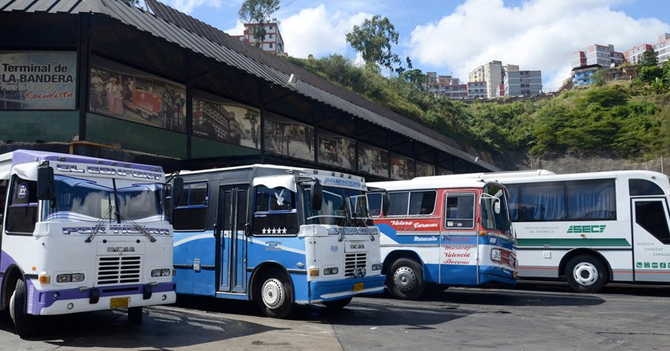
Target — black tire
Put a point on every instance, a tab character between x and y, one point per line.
23	322
586	274
135	315
274	294
405	279
336	305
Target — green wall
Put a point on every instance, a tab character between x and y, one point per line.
135	136
28	126
206	148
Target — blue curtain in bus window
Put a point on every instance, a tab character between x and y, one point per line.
591	199
513	202
542	202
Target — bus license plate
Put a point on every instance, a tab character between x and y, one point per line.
514	274
119	302
358	286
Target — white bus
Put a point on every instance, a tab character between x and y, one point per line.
279	236
590	228
81	234
444	231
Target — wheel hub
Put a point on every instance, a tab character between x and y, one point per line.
272	293
585	273
404	278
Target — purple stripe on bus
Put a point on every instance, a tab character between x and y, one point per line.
46	298
6	261
26	156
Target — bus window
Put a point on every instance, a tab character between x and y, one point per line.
640	187
398	202
651	216
22	207
541	202
275	212
190	213
460	211
422	202
591	199
375	203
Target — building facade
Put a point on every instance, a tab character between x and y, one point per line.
521	83
272	42
492	74
603	55
634	55
662	47
447	86
476	90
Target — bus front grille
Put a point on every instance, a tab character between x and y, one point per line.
354	265
119	270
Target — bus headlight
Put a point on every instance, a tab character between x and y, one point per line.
496	255
376	266
161	272
330	271
70	278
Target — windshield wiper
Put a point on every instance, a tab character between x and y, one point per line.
98	226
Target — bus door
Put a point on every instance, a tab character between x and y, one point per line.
231	222
651	240
459	240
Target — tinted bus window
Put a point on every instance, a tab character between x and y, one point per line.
640	187
275	211
375	203
191	210
651	216
460	211
422	202
398	203
22	207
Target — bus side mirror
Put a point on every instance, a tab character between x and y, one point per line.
45	183
316	196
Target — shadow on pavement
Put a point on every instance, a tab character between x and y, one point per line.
161	328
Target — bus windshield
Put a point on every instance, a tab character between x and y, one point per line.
334	210
94	199
495	214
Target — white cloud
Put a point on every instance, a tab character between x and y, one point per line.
187	6
318	31
540	34
237	30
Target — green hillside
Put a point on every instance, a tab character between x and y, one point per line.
619	120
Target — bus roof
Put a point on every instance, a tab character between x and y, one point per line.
280	170
434	182
517	177
20	156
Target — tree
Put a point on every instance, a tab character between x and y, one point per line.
373	40
258	12
135	3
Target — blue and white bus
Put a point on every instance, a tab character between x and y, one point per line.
444	231
81	234
276	235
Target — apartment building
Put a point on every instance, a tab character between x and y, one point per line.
635	54
518	82
272	42
446	86
492	74
663	47
476	90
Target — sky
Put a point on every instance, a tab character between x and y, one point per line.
453	37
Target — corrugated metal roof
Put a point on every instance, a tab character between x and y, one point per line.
189	33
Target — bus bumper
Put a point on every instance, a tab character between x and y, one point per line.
492	275
54	302
342	288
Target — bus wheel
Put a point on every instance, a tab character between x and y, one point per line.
24	322
135	315
275	295
585	274
337	304
405	279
